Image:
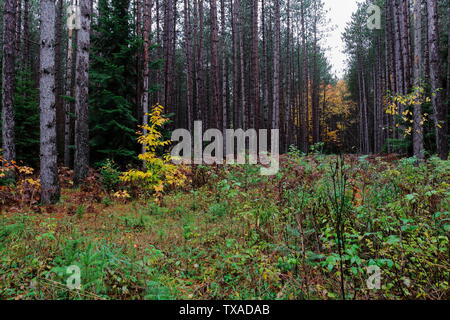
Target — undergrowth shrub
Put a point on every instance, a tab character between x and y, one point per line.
110	175
160	173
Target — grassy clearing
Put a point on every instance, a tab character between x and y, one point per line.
310	232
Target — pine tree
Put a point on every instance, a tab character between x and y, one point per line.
49	167
112	97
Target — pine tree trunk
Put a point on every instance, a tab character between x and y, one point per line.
8	79
69	92
243	101
256	108
59	88
188	53
266	72
304	113
215	65
26	35
49	168
145	61
418	62
224	84
276	69
436	83
201	113
236	87
315	85
81	164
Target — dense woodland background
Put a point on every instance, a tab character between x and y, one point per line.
75	96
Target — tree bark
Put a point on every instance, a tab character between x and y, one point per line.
81	95
215	65
50	191
59	88
276	69
8	79
145	61
190	71
256	108
418	62
439	111
304	113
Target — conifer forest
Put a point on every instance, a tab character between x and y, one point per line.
225	150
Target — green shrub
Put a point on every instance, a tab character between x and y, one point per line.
110	175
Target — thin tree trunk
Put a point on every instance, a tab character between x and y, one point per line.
255	67
243	109
304	113
190	71
59	81
276	69
68	129
436	83
81	95
236	87
145	61
26	35
224	67
215	64
418	128
50	191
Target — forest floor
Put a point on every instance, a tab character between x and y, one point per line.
320	229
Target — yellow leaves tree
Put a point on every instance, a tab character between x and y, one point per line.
159	171
405	118
337	111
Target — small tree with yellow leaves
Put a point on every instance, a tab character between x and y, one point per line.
159	172
405	118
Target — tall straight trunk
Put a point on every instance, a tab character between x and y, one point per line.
145	61
138	8
363	108
26	35
266	72
69	92
243	101
59	81
288	83
200	74
215	65
405	32
439	111
81	165
256	108
18	32
398	49
276	69
168	54
304	113
236	87
224	84
448	59
50	190
418	62
315	84
190	67
8	79
158	94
